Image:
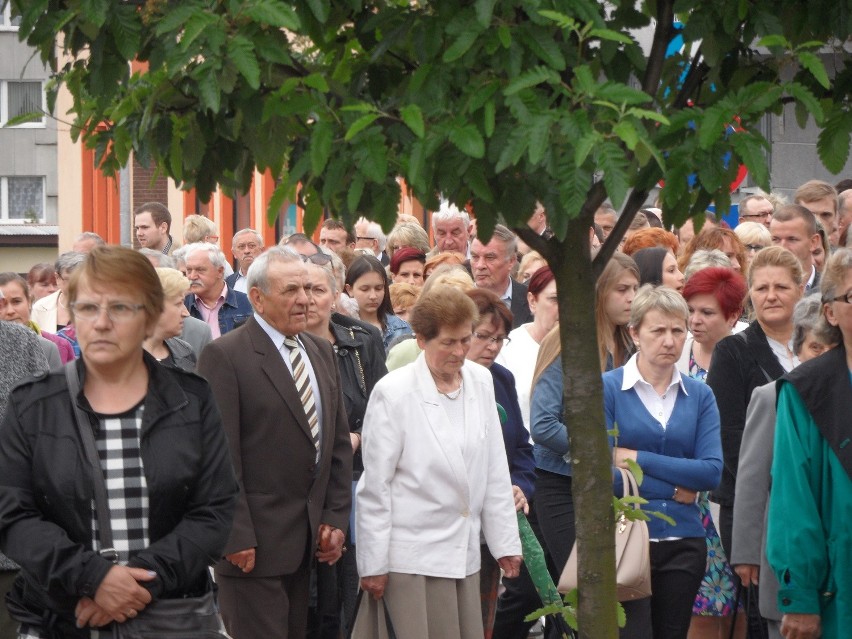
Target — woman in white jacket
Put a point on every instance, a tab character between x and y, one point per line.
435	478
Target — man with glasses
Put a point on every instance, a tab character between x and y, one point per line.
246	245
491	265
369	235
756	208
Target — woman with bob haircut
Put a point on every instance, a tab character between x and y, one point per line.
446	457
164	343
367	283
658	267
667	423
406	266
651	238
406	234
171	492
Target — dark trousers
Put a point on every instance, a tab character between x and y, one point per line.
555	512
677	567
757	628
519	597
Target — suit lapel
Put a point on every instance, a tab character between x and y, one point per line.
278	374
442	428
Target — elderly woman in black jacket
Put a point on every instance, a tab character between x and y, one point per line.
361	360
160	445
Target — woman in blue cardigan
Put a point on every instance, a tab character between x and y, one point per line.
669	425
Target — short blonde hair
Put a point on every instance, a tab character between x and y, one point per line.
173	281
528	259
753	233
403	295
657	298
197	227
407	234
448	257
450	274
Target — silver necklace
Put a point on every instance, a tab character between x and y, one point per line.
453	395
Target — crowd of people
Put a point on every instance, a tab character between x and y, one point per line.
346	431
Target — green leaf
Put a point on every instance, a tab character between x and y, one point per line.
468	140
585	81
758	97
413	118
461	46
626	133
539	134
359	125
175	19
320	9
274	13
321	139
208	88
374	161
126	30
353	195
313	209
241	52
279	195
512	150
807	99
636	469
24	118
751	152
484	11
536	75
197	24
505	36
833	142
317	81
713	124
813	63
563	21
584	146
621	94
660	515
488	118
612	36
773	40
612	162
95	11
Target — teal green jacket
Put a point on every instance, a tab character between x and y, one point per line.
809	538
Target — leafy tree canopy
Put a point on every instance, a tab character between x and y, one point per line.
496	102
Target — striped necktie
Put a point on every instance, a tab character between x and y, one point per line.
303	387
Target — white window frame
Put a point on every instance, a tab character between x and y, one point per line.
7	18
4	106
4	201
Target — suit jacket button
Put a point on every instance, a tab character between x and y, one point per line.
785	601
465	513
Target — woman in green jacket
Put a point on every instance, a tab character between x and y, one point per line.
809	541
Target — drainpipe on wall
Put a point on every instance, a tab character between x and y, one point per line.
124	206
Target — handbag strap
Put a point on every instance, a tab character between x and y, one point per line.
384	604
629	485
90	449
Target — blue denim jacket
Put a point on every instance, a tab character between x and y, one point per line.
234	312
394	327
549	434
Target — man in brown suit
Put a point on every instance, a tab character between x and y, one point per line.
292	455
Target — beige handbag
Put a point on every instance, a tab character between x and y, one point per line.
632	560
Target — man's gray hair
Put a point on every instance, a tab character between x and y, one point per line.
506	235
705	259
217	257
258	273
158	258
89	235
375	230
808	318
448	212
246	231
68	261
753	198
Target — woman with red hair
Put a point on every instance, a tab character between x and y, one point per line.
715	297
651	238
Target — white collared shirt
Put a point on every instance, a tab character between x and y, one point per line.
278	339
507	296
660	406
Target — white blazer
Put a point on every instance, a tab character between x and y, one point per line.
421	502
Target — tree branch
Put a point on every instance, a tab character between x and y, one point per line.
657	55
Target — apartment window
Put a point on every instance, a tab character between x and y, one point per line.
7	22
22	199
20	97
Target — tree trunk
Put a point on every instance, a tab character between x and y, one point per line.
583	417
